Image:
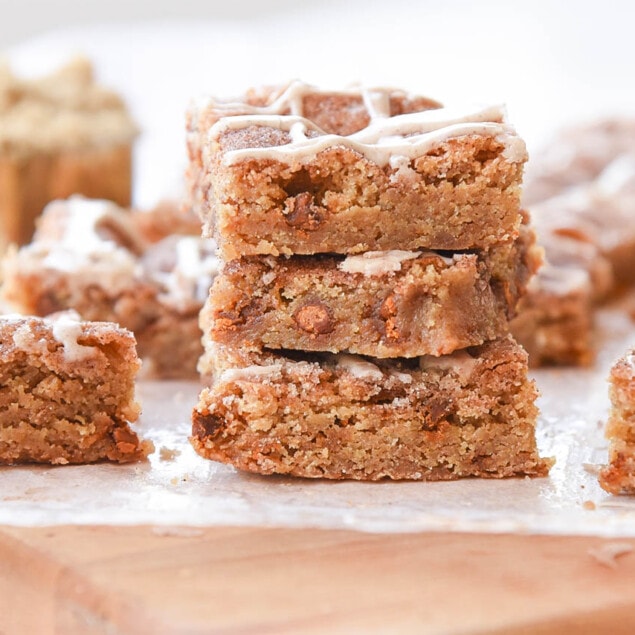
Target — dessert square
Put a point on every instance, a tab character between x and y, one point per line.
577	155
555	318
59	135
382	304
67	391
618	477
96	258
600	213
304	171
343	416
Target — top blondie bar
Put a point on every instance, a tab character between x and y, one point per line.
302	171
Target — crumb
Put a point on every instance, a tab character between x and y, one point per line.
608	553
168	454
589	505
592	468
174	481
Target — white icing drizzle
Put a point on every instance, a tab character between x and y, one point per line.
81	234
376	263
249	373
291	99
409	135
377	102
515	150
618	176
401	169
191	278
461	362
80	250
67	330
24	339
358	367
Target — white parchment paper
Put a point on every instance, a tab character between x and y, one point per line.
176	487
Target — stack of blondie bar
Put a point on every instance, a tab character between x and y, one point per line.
374	251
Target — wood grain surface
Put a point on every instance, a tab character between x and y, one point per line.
114	580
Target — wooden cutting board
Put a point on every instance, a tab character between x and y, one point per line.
116	580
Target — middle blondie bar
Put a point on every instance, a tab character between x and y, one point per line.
382	304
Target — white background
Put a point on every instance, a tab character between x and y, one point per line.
22	19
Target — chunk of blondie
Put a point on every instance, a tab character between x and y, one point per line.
555	320
67	391
618	477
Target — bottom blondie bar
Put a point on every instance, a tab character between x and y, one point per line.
471	413
618	477
67	391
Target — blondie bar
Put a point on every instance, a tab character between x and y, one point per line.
555	318
93	257
471	413
59	135
383	304
360	175
577	155
67	391
618	477
601	213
